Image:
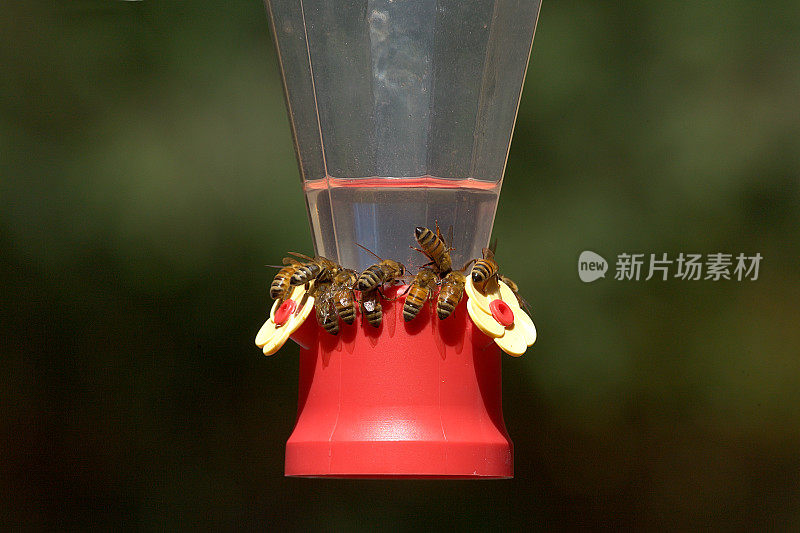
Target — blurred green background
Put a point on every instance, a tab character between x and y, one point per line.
147	175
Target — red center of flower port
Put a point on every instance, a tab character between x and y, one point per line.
284	312
501	312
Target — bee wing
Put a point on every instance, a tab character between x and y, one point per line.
330	310
323	303
345	296
524	304
520	300
449	242
369	301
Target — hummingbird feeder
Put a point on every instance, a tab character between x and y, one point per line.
402	113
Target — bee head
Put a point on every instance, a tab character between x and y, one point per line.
418	231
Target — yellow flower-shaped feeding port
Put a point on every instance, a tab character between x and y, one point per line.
284	319
495	310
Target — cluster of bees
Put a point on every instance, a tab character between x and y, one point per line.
334	285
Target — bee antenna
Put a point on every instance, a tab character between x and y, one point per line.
301	256
370	251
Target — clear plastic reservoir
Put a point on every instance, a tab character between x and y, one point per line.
402	113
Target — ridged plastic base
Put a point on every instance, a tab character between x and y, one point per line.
419	399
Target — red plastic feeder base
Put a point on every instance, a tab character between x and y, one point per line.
419	399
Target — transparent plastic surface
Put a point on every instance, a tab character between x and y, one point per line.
397	206
404	109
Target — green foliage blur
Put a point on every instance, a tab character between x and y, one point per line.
147	176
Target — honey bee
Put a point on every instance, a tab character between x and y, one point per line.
451	291
279	288
435	248
315	268
485	268
450	294
324	307
371	307
342	293
420	291
375	276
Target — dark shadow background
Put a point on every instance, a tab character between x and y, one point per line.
147	175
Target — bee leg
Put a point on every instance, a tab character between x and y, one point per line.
417	249
413	266
380	291
302	304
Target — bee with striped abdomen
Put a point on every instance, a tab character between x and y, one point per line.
279	288
485	268
315	268
371	307
451	291
343	296
377	275
420	291
435	248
